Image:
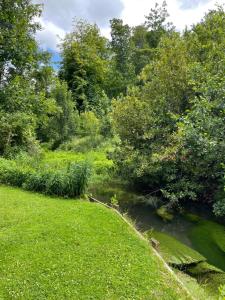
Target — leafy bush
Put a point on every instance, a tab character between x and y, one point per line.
69	182
23	110
12	174
83	144
172	127
89	124
219	208
219	205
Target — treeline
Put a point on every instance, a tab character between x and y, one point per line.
161	91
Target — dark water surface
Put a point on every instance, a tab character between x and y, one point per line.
198	236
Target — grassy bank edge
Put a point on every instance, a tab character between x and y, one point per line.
155	252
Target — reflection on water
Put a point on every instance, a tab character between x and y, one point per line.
202	237
145	218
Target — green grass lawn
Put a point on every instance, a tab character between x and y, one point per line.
70	249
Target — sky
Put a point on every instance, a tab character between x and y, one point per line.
58	15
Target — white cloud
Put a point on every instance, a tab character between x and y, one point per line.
61	13
58	15
50	35
135	10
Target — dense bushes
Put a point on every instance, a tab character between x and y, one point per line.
83	144
172	126
13	174
68	182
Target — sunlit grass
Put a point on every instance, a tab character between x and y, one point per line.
70	249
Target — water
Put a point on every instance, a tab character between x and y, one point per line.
145	219
199	237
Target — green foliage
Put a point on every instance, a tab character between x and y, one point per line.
23	107
142	52
22	111
145	119
84	65
101	166
122	72
13	174
89	124
171	128
65	122
19	50
219	207
83	144
16	130
222	292
67	182
156	24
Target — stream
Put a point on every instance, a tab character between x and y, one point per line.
204	235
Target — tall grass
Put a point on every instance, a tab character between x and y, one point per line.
66	182
13	174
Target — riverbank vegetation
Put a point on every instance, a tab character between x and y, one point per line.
157	92
135	119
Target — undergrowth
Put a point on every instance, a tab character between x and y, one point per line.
70	181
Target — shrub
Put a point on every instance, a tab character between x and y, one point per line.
83	144
13	174
37	182
69	182
219	200
89	124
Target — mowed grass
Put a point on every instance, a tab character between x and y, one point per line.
70	249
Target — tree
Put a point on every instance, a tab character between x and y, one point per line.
142	53
18	47
156	24
22	111
206	39
24	103
149	113
172	127
121	44
84	64
64	123
147	37
122	70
